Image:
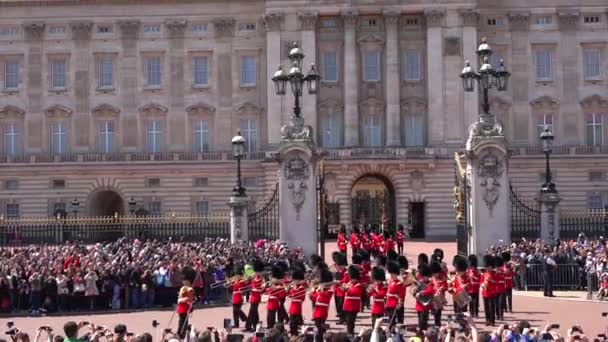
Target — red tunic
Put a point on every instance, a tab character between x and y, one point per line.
487	285
365	242
376	242
185	299
474	280
428	291
365	269
399	238
341	243
256	289
352	298
275	294
297	295
508	272
237	293
378	298
321	299
395	292
459	283
343	276
499	287
354	242
389	245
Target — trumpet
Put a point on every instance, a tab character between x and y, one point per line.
313	287
226	282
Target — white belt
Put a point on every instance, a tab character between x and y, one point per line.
272	297
256	290
296	301
236	292
379	300
352	298
321	304
392	295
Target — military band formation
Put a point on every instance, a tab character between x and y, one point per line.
380	288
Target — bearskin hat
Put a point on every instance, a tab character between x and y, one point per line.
357	259
424	270
342	229
339	258
423	259
258	266
378	274
391	255
381	261
283	265
488	261
238	269
322	266
386	234
188	273
353	272
393	267
315	260
403	263
356	229
460	263
473	260
506	256
364	255
435	267
400	227
498	262
297	273
326	276
438	254
277	272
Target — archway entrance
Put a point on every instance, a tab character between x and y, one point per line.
106	203
373	201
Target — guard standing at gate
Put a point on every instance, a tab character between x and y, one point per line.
342	242
549	267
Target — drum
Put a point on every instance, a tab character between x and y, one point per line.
439	301
462	299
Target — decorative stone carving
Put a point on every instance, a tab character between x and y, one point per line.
434	17
81	30
296	172
391	17
568	20
490	170
371	38
470	17
297	191
296	169
105	109
349	18
451	46
545	100
296	131
589	101
33	30
417	180
58	111
519	21
486	126
176	27
200	108
308	21
153	108
129	28
10	111
224	27
273	21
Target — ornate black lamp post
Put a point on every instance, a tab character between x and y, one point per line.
546	138
296	78
487	78
75	206
238	147
132	204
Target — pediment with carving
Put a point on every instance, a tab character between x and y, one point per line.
413	104
545	101
500	104
372	102
248	107
105	109
153	108
10	111
371	38
200	108
330	104
58	111
594	100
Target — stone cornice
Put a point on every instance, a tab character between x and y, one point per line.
568	20
224	27
273	21
129	28
391	17
176	27
519	21
34	30
153	108
81	30
200	108
349	19
105	109
470	17
58	111
308	20
10	111
434	17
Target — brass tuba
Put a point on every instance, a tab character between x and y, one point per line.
417	288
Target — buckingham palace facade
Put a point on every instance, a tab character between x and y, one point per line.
111	102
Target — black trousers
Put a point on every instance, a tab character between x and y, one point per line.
253	317
400	248
391	313
423	319
295	322
437	317
339	301
508	301
238	314
489	309
364	300
283	316
374	318
499	307
271	318
474	305
401	314
320	324
548	283
351	318
182	324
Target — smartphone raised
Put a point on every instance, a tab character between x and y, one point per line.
227	323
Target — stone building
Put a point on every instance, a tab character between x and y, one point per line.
107	101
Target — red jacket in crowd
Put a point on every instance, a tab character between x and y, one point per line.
321	298
256	289
395	293
342	275
352	297
365	242
297	295
378	296
237	293
499	285
459	283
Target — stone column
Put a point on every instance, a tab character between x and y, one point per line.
549	215
469	46
351	80
521	74
569	106
434	62
33	37
308	25
239	230
223	58
177	118
129	80
273	23
392	88
81	34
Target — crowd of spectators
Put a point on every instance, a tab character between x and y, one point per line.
123	274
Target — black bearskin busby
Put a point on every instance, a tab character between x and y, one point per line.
460	263
237	269
297	273
356	230
473	261
315	260
488	261
283	265
438	254
353	272
357	259
506	256
258	266
403	263
435	267
393	267
378	274
386	234
400	228
326	276
342	229
423	259
364	255
498	262
188	273
339	258
277	272
381	261
425	270
391	255
322	266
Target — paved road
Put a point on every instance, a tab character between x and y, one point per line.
537	310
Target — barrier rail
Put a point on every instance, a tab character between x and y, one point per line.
565	276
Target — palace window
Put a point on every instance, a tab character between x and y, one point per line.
330	67
201	77
58	71
155	208
202	207
246	27
105	70
153	71
248	77
249	131
495	59
152	28
411	68
11	184
594	129
591	19
201	136
56	30
372	129
199	28
414	130
544	20
58	184
201	181
331	131
371	66
153	182
12	210
104	29
596	176
8	31
592	64
11	138
59	140
154	133
11	74
542	121
106	137
250	181
544	65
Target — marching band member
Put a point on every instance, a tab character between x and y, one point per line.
509	274
474	283
297	294
440	285
276	291
185	300
282	315
395	292
342	243
487	291
352	299
321	296
499	287
438	256
423	259
366	243
355	243
376	242
377	293
237	295
357	261
399	237
366	268
403	268
389	244
256	288
460	282
424	289
341	278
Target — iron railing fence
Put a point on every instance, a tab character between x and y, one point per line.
592	222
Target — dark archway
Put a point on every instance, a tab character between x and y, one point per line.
106	203
372	198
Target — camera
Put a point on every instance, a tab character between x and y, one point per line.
155	323
604	314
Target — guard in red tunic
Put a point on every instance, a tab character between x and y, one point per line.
440	285
423	259
488	290
377	293
500	287
256	286
389	244
282	315
297	294
366	268
185	300
403	268
366	243
237	295
424	290
376	242
341	278
354	241
460	282
395	293
399	239
342	242
474	277
321	296
276	291
509	274
352	299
